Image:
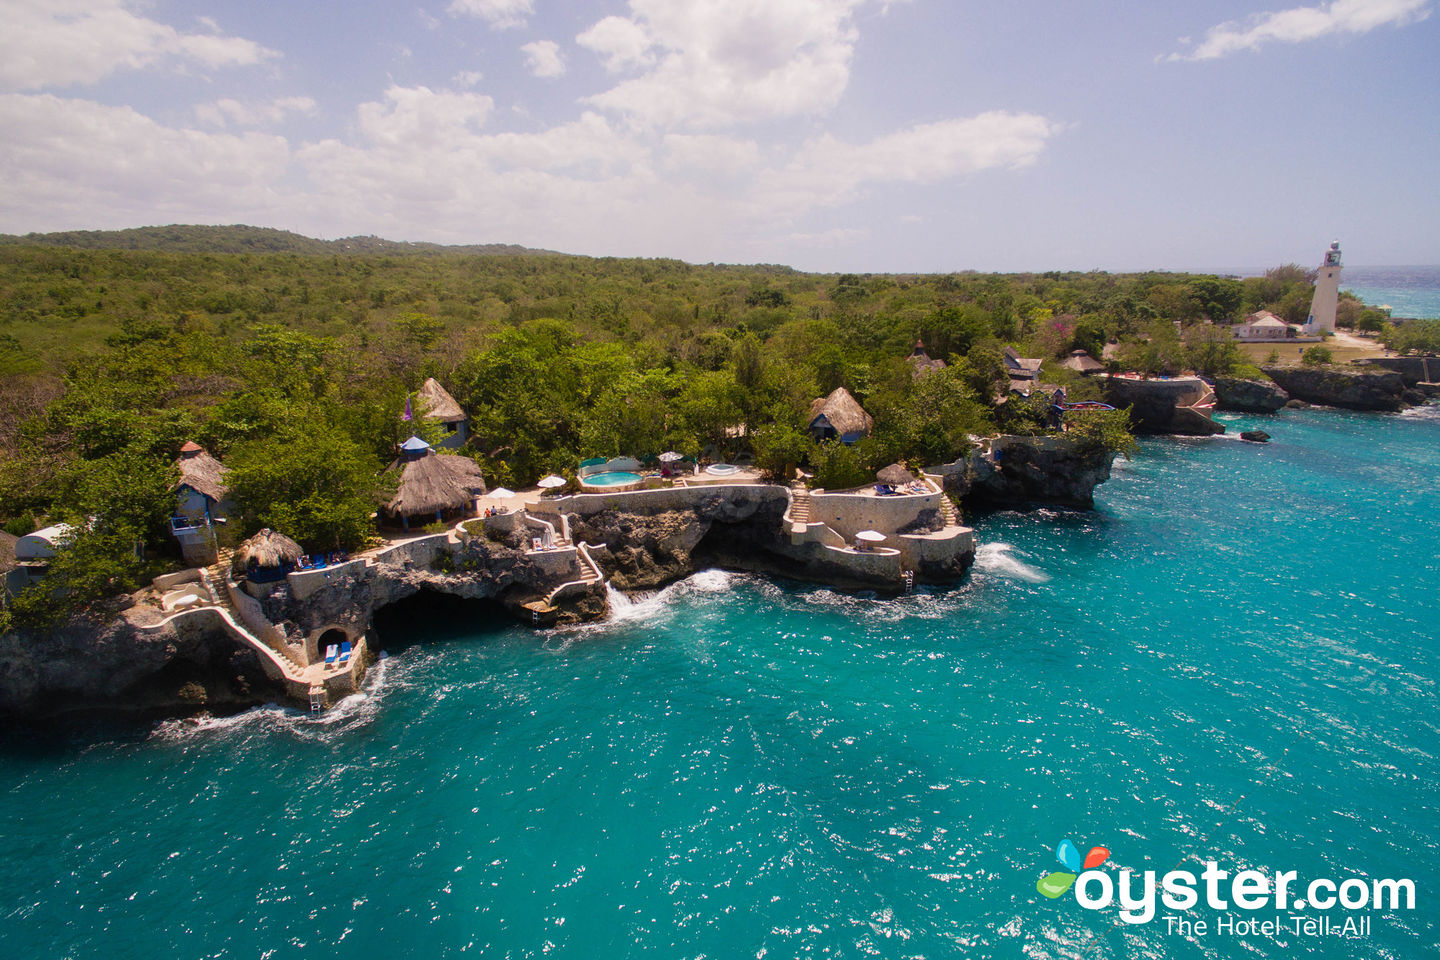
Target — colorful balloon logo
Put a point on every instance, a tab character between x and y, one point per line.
1054	884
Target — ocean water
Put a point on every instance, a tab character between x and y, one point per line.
1233	658
1408	291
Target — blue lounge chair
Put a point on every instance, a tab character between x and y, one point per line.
331	652
345	653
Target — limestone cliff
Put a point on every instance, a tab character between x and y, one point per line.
1019	471
1163	406
1348	389
128	660
1249	396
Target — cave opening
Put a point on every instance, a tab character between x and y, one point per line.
431	617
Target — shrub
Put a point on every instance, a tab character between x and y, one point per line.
1317	356
839	467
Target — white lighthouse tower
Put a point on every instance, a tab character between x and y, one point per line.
1327	293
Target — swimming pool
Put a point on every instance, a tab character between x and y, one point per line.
615	478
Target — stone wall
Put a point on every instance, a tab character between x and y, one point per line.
848	513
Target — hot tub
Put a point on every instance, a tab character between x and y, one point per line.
722	469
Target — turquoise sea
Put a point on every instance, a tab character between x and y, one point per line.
1407	291
1233	658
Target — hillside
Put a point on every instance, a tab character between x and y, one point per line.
239	238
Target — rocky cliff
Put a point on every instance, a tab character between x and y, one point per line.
128	660
1249	396
1162	406
1341	388
1026	471
741	529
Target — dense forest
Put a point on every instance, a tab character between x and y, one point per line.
292	359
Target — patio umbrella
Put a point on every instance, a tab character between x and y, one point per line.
895	475
870	536
551	482
500	493
670	456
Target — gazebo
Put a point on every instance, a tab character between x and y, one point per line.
267	556
839	417
432	484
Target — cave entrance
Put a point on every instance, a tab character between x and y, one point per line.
334	636
430	617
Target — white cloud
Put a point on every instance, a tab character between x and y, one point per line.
229	112
828	172
466	79
61	43
74	162
722	62
709	155
834	237
543	59
415	118
500	14
622	43
1304	23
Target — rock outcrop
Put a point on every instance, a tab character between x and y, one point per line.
127	660
1255	436
1018	471
1163	406
1348	389
646	550
1249	396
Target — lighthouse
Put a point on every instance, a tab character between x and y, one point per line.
1327	293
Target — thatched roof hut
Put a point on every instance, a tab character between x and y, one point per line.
202	473
896	475
921	362
436	403
1021	368
268	549
1081	362
434	483
7	551
839	416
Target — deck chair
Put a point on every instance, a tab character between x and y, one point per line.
331	652
345	652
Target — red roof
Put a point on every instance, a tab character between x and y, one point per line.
191	447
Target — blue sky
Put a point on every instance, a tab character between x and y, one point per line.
858	135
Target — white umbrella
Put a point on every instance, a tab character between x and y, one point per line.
870	536
500	493
670	456
550	482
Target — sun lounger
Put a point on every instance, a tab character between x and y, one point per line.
344	652
332	652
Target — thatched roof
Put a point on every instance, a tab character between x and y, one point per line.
436	403
921	362
201	472
1082	362
7	551
896	475
268	549
435	482
843	412
1021	367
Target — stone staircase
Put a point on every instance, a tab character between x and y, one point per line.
219	574
947	510
799	503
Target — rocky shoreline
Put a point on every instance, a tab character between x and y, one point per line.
127	659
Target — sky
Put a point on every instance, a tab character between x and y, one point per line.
830	135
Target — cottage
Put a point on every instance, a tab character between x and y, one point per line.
839	417
1081	362
432	484
202	500
921	363
432	402
1021	368
1261	327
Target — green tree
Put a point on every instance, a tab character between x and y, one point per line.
309	481
1317	356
